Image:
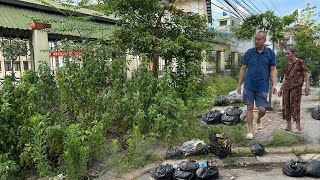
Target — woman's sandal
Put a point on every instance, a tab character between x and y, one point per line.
286	129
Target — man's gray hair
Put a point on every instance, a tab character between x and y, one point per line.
263	32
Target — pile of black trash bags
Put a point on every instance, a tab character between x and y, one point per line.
316	113
189	169
229	116
296	169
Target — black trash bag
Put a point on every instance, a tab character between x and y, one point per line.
293	169
221	101
189	165
235	111
313	168
257	149
212	117
162	172
207	173
173	152
179	174
229	120
316	113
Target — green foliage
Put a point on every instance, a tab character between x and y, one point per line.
307	37
8	168
76	152
38	145
267	22
283	139
60	121
115	156
166	111
281	61
137	152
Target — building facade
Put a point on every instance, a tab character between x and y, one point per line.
28	28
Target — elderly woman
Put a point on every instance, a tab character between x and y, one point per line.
295	73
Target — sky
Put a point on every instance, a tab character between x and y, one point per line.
280	7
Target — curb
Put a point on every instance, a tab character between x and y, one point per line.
273	156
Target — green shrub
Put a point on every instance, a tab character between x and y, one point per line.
8	168
76	152
39	145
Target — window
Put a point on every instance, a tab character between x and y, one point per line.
25	65
17	66
223	23
8	65
232	22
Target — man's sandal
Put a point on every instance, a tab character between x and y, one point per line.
249	136
259	126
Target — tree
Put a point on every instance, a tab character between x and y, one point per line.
157	30
307	37
268	22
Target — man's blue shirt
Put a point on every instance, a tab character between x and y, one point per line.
258	69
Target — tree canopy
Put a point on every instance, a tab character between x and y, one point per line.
268	22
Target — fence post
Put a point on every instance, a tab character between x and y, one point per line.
40	45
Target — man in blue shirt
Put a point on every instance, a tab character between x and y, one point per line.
257	65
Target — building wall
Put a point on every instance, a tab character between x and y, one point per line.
20	64
195	6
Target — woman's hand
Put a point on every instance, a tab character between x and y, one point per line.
280	92
307	91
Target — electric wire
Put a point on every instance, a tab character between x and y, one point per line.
275	7
264	5
255	6
223	8
239	12
250	7
244	7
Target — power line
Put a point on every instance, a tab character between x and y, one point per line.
223	4
264	5
255	6
227	11
241	14
244	7
250	7
275	7
232	9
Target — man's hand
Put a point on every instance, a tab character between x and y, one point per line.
274	89
239	89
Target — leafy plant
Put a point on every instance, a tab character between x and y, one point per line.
76	152
8	168
38	145
137	152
